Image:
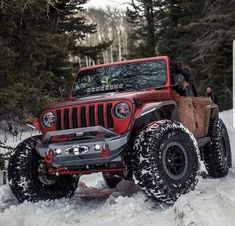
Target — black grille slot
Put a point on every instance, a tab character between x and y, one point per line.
75	117
101	115
83	116
58	120
66	119
109	116
91	115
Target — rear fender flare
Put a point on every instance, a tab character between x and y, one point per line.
214	112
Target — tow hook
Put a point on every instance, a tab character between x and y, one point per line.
105	151
49	157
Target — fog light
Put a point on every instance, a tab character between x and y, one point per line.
58	151
97	147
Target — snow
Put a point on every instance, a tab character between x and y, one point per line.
12	141
119	4
212	203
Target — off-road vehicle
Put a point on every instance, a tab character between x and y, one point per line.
125	120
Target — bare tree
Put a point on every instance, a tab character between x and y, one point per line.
111	26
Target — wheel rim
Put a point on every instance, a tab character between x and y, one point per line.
175	160
44	177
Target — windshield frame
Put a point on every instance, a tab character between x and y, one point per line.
165	58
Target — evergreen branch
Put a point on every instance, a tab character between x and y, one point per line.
29	2
52	3
3	5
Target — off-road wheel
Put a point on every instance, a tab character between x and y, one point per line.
112	179
28	176
166	161
217	155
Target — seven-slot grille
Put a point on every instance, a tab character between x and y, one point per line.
84	116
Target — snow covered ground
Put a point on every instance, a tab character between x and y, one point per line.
211	204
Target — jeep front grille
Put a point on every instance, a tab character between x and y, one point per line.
84	116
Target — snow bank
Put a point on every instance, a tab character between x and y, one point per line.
227	117
12	141
211	204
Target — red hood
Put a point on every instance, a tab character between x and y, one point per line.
143	96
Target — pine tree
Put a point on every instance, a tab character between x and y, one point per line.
29	74
216	32
144	18
37	41
200	33
176	39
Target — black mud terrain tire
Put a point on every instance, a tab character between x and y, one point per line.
112	179
27	181
217	155
166	161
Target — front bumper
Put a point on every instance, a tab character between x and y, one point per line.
83	151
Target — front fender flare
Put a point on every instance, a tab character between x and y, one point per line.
156	111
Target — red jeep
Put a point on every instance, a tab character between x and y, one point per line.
127	121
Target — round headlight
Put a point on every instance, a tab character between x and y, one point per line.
122	110
48	119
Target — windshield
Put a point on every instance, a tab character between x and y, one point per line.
126	76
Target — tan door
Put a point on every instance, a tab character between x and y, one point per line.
202	115
186	112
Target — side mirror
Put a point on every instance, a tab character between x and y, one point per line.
177	80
